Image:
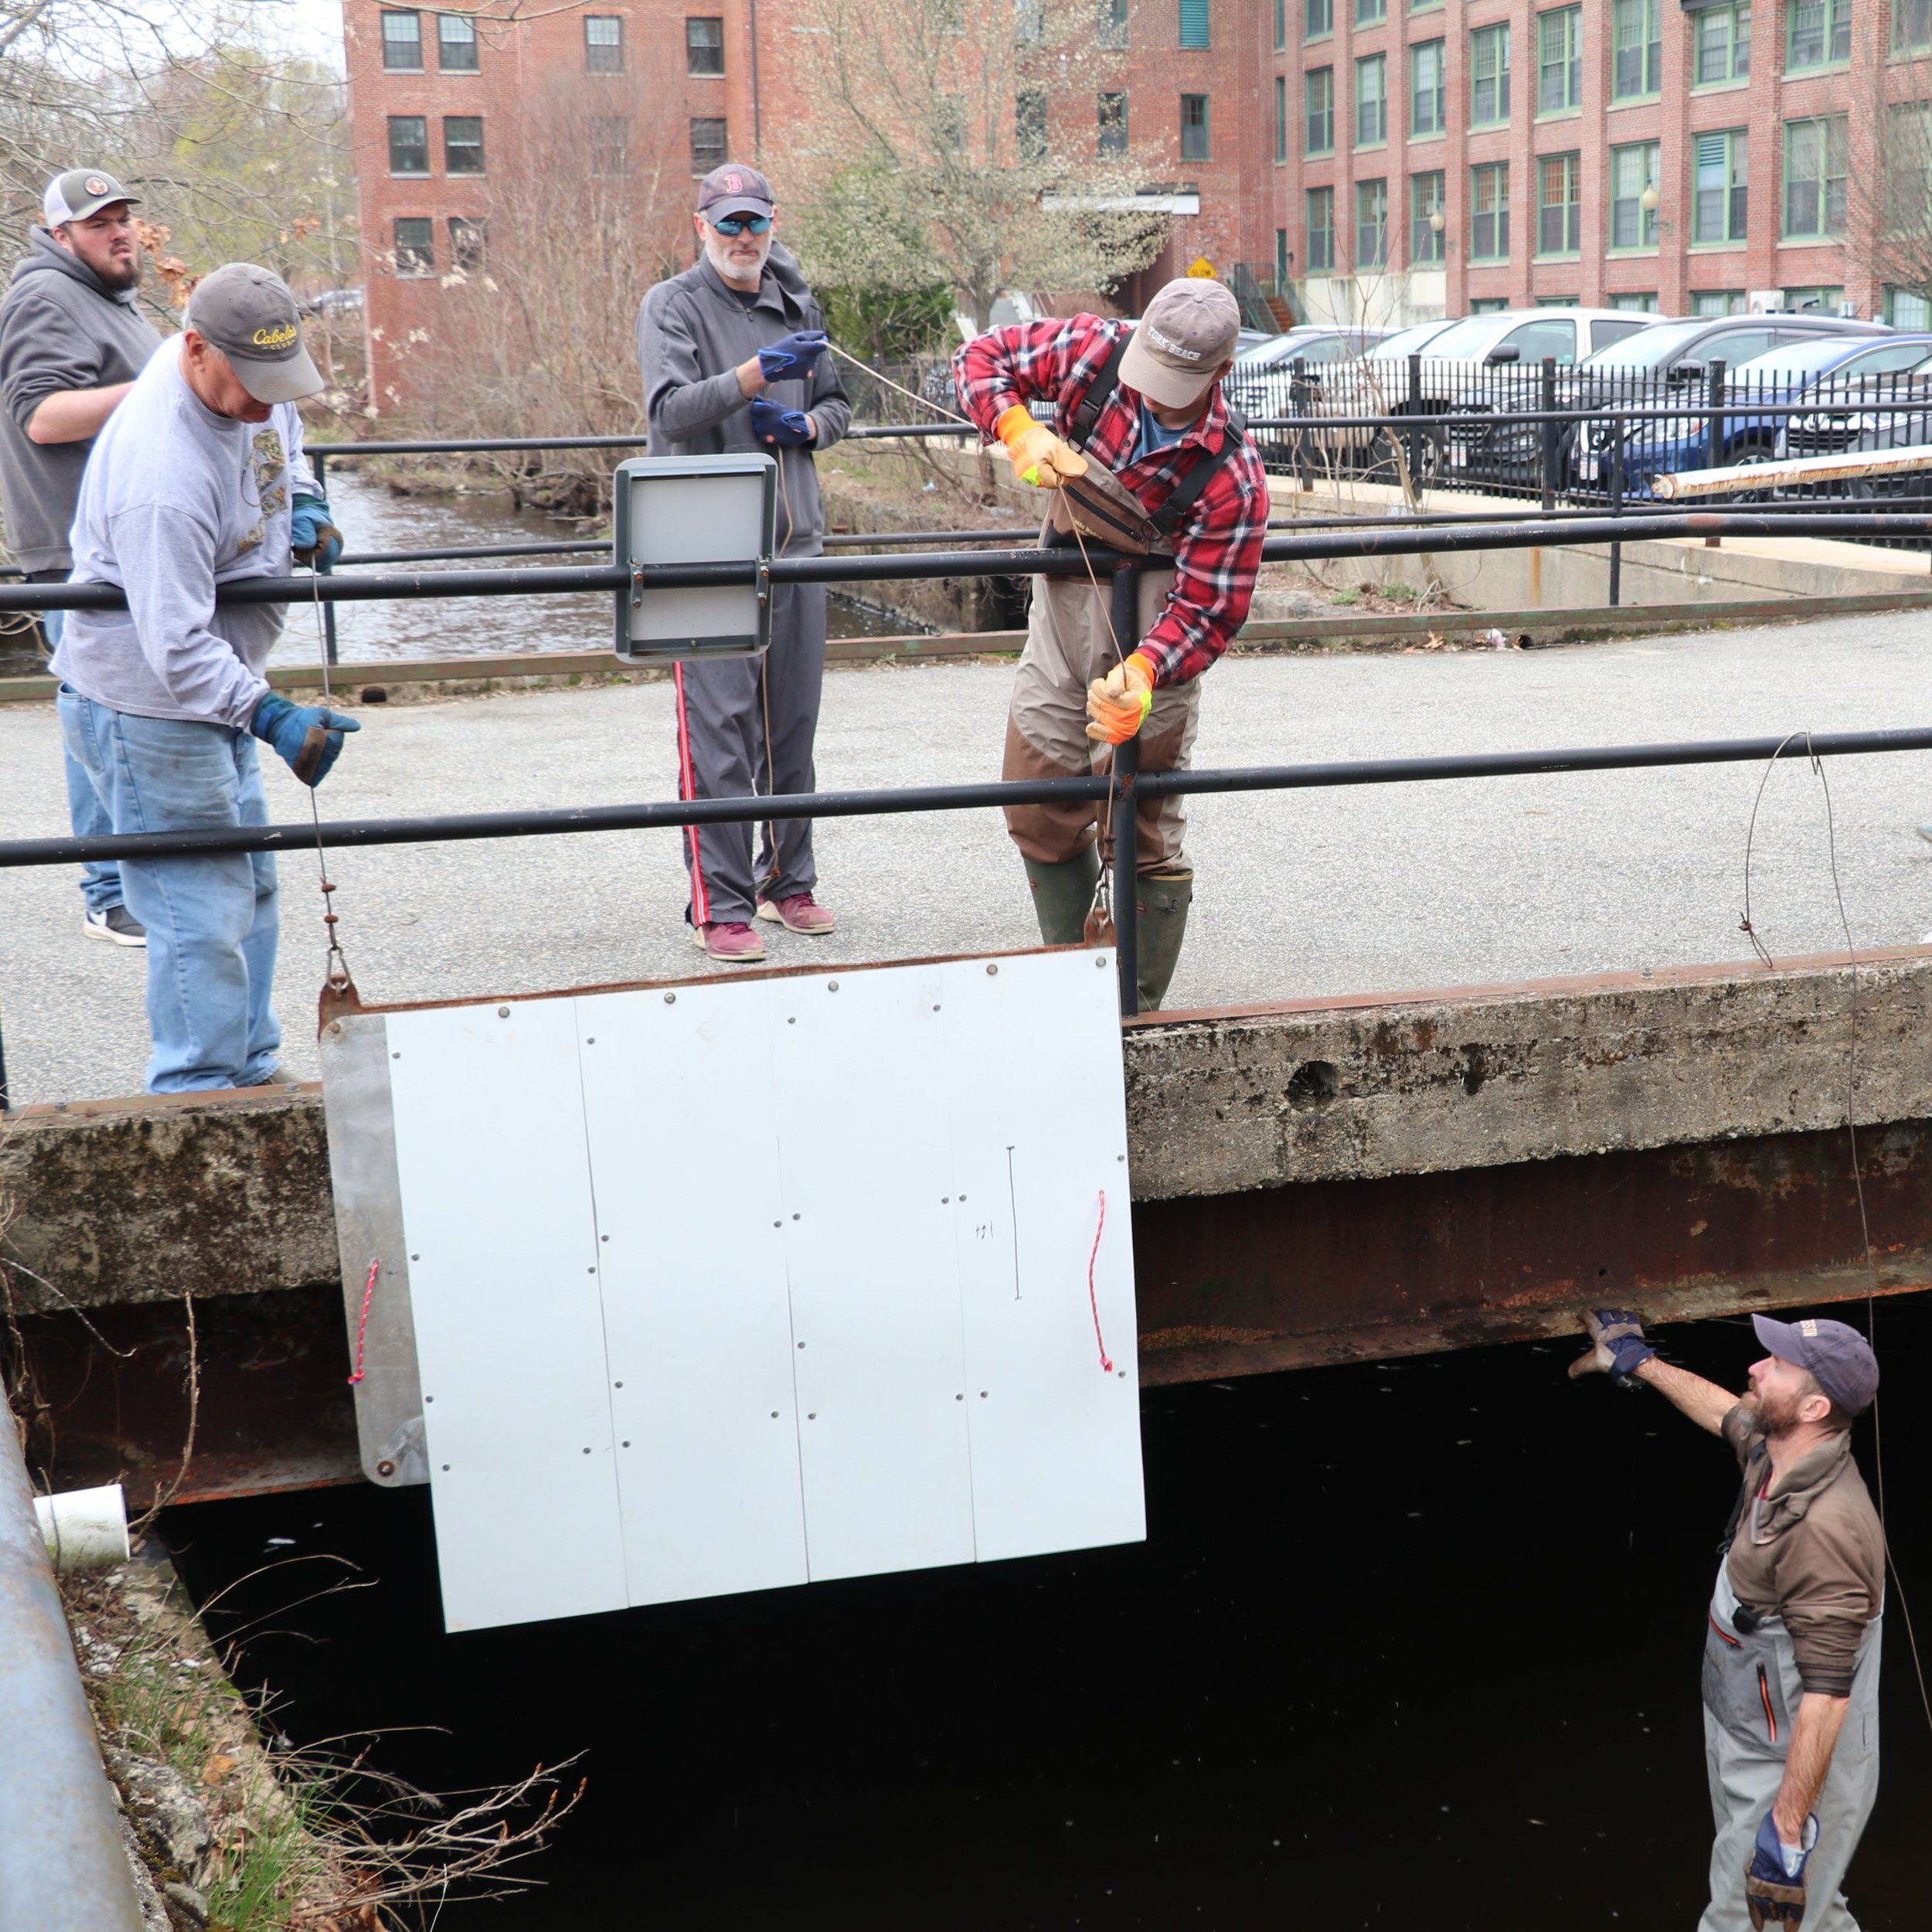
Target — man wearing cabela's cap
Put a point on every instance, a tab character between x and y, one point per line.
734	358
1791	1637
72	339
193	485
1143	456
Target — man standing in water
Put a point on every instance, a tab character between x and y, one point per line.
1791	1639
734	358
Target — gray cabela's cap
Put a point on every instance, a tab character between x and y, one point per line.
1839	1358
249	314
1178	345
79	192
734	189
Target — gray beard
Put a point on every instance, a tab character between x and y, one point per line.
715	254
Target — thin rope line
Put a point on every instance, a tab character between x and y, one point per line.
1093	1300
362	1322
925	402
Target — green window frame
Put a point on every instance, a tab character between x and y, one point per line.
1318	19
1110	23
1717	301
1371	224
1559	60
1720	186
1721	45
1281	117
1489	215
1372	100
1280	25
1320	249
1827	300
1370	13
1645	304
1489	76
1194	23
1637	63
1559	204
1194	127
1428	197
1817	33
1633	169
1428	79
1911	26
1814	171
1318	111
1908	308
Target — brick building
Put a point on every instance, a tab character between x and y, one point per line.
447	108
1693	159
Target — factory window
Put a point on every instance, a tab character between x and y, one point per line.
462	143
1720	188
402	43
610	145
703	44
1632	170
1489	215
1559	204
1637	69
1817	33
1427	83
455	43
408	144
1321	230
1319	15
1427	195
707	145
602	43
1371	223
1489	76
1194	126
1559	60
1030	124
1318	117
1723	35
1372	100
1112	23
466	242
1113	124
415	245
1814	176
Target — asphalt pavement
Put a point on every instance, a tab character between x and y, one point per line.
1367	889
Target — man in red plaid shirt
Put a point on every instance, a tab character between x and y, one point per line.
1142	456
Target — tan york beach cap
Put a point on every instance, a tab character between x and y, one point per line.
249	314
1179	345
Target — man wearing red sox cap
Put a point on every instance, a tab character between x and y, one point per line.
1791	1638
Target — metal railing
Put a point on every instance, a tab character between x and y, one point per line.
1126	786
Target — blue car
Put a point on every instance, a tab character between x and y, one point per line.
1839	373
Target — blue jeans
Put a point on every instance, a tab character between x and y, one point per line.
99	881
212	920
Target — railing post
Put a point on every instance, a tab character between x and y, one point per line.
1297	400
1415	432
1714	434
1126	767
1616	507
1550	434
320	464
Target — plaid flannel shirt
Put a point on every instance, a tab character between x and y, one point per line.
1218	549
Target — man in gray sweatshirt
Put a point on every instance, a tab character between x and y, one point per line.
194	484
734	358
72	341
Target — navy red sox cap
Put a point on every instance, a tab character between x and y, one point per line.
1839	1358
734	189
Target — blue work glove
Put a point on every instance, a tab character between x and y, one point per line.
797	354
786	429
1774	1879
287	727
1617	1345
312	535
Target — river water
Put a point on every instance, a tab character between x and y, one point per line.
1412	1644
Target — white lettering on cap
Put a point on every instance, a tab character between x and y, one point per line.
1159	341
1808	1328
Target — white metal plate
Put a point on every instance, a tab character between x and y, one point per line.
748	1283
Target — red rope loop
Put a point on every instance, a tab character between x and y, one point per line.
362	1325
1093	1300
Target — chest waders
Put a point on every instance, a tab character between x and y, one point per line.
1751	1693
1070	642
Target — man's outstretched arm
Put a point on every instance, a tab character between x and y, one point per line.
1617	1347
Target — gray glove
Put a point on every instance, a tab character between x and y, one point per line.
1617	1347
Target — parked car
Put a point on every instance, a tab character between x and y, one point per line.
1670	366
1283	377
1374	384
1870	400
1492	366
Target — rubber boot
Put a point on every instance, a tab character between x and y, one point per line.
1063	895
1162	899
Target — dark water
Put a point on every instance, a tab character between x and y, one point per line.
1413	1644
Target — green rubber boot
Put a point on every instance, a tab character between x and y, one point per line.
1162	899
1062	896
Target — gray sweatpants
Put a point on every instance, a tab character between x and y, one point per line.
746	725
1751	1693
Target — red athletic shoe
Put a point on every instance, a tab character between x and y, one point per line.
728	939
797	912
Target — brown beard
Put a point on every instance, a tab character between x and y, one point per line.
1777	1416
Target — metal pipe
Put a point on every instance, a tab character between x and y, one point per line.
1125	593
1616	509
62	1865
854	805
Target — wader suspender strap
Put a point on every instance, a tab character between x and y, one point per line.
1187	492
1745	1490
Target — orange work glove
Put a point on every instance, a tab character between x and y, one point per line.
1118	703
1039	456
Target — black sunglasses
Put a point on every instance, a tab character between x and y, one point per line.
737	224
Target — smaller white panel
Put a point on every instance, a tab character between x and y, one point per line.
681	518
1034	1083
496	1184
685	1156
865	1150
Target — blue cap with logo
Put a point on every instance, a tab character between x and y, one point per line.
1840	1359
